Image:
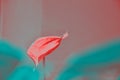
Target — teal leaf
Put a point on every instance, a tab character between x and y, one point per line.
13	63
90	63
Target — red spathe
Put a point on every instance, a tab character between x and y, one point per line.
44	46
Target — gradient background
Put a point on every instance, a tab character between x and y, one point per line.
89	22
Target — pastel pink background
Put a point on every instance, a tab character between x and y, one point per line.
89	22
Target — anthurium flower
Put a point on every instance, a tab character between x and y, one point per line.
44	46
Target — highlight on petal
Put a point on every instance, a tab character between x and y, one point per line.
44	46
65	35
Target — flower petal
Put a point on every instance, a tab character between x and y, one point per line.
44	46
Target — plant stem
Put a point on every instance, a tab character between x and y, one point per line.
44	77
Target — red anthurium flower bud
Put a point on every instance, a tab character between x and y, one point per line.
44	46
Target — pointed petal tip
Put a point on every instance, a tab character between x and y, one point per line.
65	35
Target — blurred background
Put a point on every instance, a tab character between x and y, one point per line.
88	22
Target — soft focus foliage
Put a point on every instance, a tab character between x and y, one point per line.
93	64
13	65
